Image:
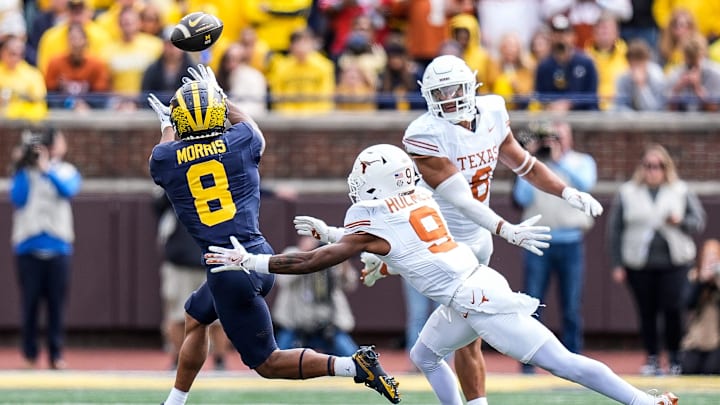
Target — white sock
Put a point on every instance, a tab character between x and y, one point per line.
478	401
176	397
555	358
344	367
438	373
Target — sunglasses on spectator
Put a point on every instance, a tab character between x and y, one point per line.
653	166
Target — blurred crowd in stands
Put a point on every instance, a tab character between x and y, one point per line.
314	56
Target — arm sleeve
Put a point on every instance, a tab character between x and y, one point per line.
646	99
582	176
694	220
651	96
614	231
457	191
20	188
67	180
52	78
101	82
693	295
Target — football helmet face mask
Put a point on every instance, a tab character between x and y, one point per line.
448	87
381	171
197	111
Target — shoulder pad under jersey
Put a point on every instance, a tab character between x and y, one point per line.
490	102
424	136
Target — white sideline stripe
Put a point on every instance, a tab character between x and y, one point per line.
496	382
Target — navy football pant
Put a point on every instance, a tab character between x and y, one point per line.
237	299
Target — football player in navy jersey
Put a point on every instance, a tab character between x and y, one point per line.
210	174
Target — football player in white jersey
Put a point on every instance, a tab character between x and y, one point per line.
456	146
402	224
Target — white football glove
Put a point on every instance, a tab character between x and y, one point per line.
527	235
163	111
236	258
318	229
582	201
204	74
374	269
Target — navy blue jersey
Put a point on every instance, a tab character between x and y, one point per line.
577	81
214	185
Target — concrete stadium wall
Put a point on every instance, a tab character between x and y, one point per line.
115	279
117	145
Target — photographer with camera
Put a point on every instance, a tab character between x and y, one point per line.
553	145
42	236
312	310
701	344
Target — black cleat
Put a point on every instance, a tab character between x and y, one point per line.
369	371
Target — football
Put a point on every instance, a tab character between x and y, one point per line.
196	32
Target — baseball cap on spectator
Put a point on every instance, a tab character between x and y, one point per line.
357	43
560	23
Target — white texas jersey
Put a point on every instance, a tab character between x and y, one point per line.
421	249
474	153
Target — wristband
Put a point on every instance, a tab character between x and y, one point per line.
262	263
499	226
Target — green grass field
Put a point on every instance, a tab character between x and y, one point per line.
272	397
85	388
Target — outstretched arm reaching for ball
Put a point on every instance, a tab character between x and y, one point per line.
315	260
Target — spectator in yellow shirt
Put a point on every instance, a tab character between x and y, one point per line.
129	57
54	41
259	50
706	14
233	16
22	86
276	20
151	20
608	51
304	80
514	72
355	89
673	37
232	13
714	51
110	20
465	30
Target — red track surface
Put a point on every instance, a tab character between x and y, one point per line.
394	361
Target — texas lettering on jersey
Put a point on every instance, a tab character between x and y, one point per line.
477	160
474	153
